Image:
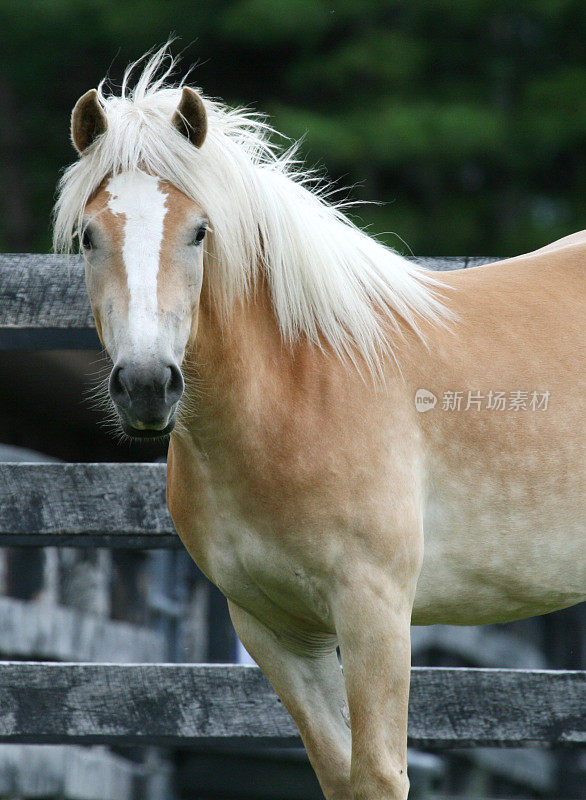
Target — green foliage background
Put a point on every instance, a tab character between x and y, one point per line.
464	119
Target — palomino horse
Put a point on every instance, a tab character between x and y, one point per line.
356	444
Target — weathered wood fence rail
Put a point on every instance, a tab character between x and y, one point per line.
85	505
43	305
183	704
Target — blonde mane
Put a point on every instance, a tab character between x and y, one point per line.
328	279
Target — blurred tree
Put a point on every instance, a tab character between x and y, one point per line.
465	120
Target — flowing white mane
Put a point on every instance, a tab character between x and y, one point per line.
328	279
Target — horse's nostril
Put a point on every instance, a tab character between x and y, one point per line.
174	385
118	387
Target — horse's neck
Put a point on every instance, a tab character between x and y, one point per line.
241	378
256	404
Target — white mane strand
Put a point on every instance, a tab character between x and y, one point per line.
328	279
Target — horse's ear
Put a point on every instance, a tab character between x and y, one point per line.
190	118
88	120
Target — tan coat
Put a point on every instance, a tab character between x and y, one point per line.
313	498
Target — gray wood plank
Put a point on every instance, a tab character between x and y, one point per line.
44	304
494	707
85	505
191	704
44	631
68	773
452	262
479	645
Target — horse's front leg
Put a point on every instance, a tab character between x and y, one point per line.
373	615
309	681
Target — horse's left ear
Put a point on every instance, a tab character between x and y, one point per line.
190	118
88	120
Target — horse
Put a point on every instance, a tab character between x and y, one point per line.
356	444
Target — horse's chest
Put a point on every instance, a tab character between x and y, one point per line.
260	576
252	564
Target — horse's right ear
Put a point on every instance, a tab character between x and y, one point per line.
88	120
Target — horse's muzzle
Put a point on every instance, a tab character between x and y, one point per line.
146	397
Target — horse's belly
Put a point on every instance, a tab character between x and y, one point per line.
484	563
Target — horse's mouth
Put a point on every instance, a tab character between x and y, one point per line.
152	430
147	433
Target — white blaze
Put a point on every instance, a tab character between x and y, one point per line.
138	197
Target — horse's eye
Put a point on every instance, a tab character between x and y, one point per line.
86	240
198	238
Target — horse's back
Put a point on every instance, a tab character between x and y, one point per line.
546	274
523	315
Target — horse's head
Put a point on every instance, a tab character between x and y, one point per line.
142	241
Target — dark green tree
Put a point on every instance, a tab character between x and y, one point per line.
464	121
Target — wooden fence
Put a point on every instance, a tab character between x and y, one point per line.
43	305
